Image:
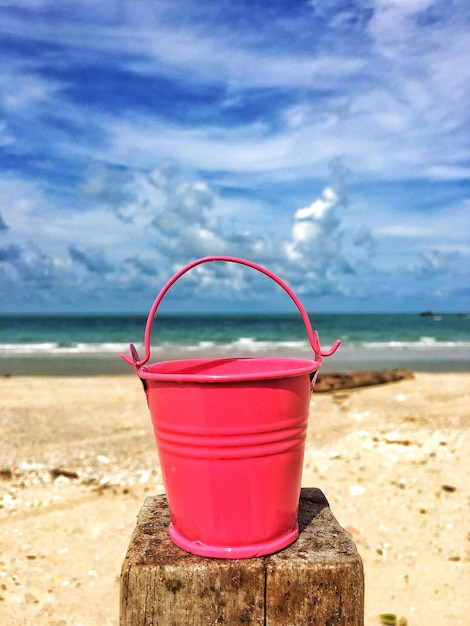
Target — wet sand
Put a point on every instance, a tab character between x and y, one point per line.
77	459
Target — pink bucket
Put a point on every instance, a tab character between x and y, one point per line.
230	434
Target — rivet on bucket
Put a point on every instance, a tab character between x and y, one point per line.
230	435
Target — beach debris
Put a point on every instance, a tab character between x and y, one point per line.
6	473
448	488
356	490
400	397
390	619
23	480
103	459
396	438
382	549
353	380
57	472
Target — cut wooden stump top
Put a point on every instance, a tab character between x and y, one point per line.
318	580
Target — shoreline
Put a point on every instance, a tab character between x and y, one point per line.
81	458
346	359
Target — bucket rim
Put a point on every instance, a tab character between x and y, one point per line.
292	367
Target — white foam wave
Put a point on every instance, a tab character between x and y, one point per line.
247	345
424	343
52	348
241	345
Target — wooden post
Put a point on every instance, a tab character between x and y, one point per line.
317	581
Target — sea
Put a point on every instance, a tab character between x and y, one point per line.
71	345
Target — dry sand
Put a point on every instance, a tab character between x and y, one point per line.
77	459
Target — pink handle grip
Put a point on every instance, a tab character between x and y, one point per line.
312	334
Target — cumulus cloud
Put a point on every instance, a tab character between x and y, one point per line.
10	254
183	216
310	223
178	215
172	218
383	83
434	262
110	187
92	259
3	225
364	240
30	267
314	253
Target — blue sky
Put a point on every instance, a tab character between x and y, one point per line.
328	141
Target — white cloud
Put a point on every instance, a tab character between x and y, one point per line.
392	23
168	222
311	223
260	108
20	90
386	111
404	230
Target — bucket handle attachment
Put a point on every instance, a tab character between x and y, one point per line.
314	339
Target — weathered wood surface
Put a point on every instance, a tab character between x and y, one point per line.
354	380
317	581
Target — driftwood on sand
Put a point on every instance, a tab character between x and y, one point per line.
352	380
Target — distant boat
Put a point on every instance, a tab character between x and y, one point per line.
435	316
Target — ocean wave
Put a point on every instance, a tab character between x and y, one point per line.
240	345
423	343
53	348
249	344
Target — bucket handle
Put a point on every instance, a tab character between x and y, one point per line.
314	339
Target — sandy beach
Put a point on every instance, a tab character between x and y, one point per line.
77	459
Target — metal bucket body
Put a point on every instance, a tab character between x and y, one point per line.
231	436
231	454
